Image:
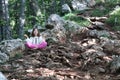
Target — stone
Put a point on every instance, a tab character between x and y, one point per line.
75	30
52	64
12	46
101	70
90	2
99	25
66	8
97	34
82	4
79	5
93	55
55	29
48	78
3	57
112	46
114	65
2	77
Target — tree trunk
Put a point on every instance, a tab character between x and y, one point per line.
53	7
7	32
22	20
36	7
44	10
0	20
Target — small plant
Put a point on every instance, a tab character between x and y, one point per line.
99	13
114	19
18	55
116	28
79	20
105	36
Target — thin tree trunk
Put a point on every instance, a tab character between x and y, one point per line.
36	7
22	20
0	20
6	18
53	7
44	10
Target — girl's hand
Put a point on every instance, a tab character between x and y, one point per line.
26	36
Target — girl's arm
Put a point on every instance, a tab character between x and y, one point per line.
26	36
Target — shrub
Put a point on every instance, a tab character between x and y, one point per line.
114	19
73	17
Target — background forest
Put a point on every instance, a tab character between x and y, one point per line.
83	39
17	16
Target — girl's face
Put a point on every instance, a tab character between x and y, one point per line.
35	32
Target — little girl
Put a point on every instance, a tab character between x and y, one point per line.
36	41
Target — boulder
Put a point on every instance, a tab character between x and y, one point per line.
98	25
3	57
2	77
111	46
82	4
96	33
79	5
93	55
55	29
10	47
74	30
73	27
90	2
66	8
52	65
114	65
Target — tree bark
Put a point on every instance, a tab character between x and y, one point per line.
36	7
22	20
7	32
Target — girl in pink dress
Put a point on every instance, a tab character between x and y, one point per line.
36	41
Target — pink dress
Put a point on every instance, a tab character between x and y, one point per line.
36	43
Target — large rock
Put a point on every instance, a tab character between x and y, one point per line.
82	4
73	27
2	77
3	57
55	29
114	65
96	33
74	30
90	2
92	54
79	5
111	46
66	8
12	46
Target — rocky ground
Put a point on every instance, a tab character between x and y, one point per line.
84	59
75	53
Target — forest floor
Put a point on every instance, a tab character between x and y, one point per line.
58	62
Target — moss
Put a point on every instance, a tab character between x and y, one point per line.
79	20
116	28
114	19
99	13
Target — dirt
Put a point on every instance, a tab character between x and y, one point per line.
56	62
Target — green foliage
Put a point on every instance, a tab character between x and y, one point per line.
105	36
116	28
99	13
108	5
18	55
73	17
114	19
47	7
111	3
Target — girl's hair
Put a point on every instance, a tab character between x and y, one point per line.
33	35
